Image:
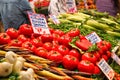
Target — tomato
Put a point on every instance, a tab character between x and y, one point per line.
25	29
97	70
46	37
48	46
64	40
63	50
4	38
108	44
105	57
74	32
29	45
90	57
15	42
75	53
55	56
51	30
97	55
56	36
37	42
70	62
102	46
59	32
42	52
86	66
22	38
33	35
108	54
12	32
83	44
55	45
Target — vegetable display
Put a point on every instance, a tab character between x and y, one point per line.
65	54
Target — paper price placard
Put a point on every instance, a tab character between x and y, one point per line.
71	6
54	19
115	58
93	37
39	23
106	69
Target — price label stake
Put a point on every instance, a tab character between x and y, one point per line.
71	6
93	38
106	69
39	23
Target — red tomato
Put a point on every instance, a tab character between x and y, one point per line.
86	66
46	37
48	46
29	45
55	56
25	29
90	57
42	52
83	44
70	62
108	54
55	45
37	42
64	40
97	70
105	57
63	50
102	46
4	38
56	36
97	55
33	35
22	38
51	30
12	32
75	53
108	44
15	42
59	32
74	32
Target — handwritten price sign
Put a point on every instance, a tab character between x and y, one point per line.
39	23
71	6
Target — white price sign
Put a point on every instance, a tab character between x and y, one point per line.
116	58
54	19
93	38
71	6
106	69
39	23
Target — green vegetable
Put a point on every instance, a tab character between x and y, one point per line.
98	25
114	34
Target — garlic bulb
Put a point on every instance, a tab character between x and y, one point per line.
27	75
5	69
17	67
11	57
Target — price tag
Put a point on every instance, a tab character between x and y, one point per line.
106	69
116	58
39	23
54	19
93	38
71	6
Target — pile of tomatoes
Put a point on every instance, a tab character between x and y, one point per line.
41	3
55	47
